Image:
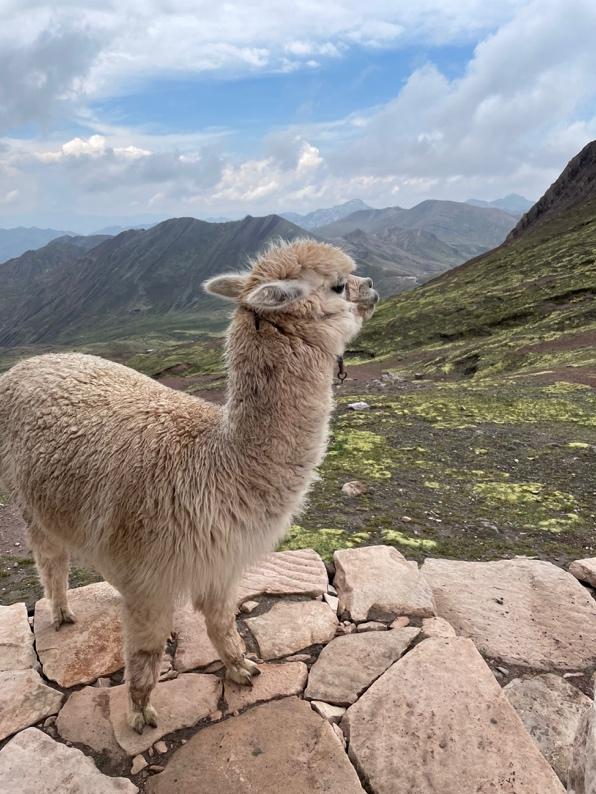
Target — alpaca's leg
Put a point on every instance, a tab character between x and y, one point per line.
51	559
147	626
220	617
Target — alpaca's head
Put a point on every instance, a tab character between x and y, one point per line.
306	288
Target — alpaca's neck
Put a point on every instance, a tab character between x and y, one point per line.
279	400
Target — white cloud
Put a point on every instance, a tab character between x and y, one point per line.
523	106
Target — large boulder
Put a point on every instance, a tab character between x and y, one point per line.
584	570
551	710
582	774
522	612
290	626
193	647
377	582
24	700
16	639
274	681
349	664
33	763
92	647
282	746
300	572
438	721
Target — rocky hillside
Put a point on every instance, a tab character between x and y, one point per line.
576	185
525	306
140	278
418	243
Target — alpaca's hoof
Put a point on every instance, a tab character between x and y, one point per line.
240	676
62	615
251	666
137	719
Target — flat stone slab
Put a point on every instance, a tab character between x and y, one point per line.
582	775
438	721
16	639
90	648
522	612
25	700
33	763
378	583
584	570
552	710
349	664
282	746
85	719
300	572
194	649
180	703
290	626
275	681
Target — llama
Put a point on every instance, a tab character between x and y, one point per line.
168	496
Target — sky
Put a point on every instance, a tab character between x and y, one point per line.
130	112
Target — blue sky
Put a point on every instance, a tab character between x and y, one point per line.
121	113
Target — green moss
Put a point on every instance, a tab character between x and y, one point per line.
324	541
360	453
394	536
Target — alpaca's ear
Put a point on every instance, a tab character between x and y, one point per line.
228	287
275	295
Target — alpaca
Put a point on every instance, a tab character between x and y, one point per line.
169	496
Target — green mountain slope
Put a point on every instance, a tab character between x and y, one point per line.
527	305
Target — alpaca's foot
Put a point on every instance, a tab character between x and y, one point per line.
139	716
243	672
62	615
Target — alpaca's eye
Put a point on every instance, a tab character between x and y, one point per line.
339	288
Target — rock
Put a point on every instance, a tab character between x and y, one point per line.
92	647
155	768
358	406
248	606
180	704
25	700
290	626
276	680
348	665
331	590
328	711
103	682
300	572
331	601
160	747
33	763
582	773
401	622
275	747
169	676
16	639
194	648
438	721
299	657
85	719
354	488
378	582
584	570
522	612
370	625
138	763
551	710
339	734
437	627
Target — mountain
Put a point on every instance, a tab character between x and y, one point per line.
417	243
576	184
323	216
513	203
527	306
14	242
138	280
